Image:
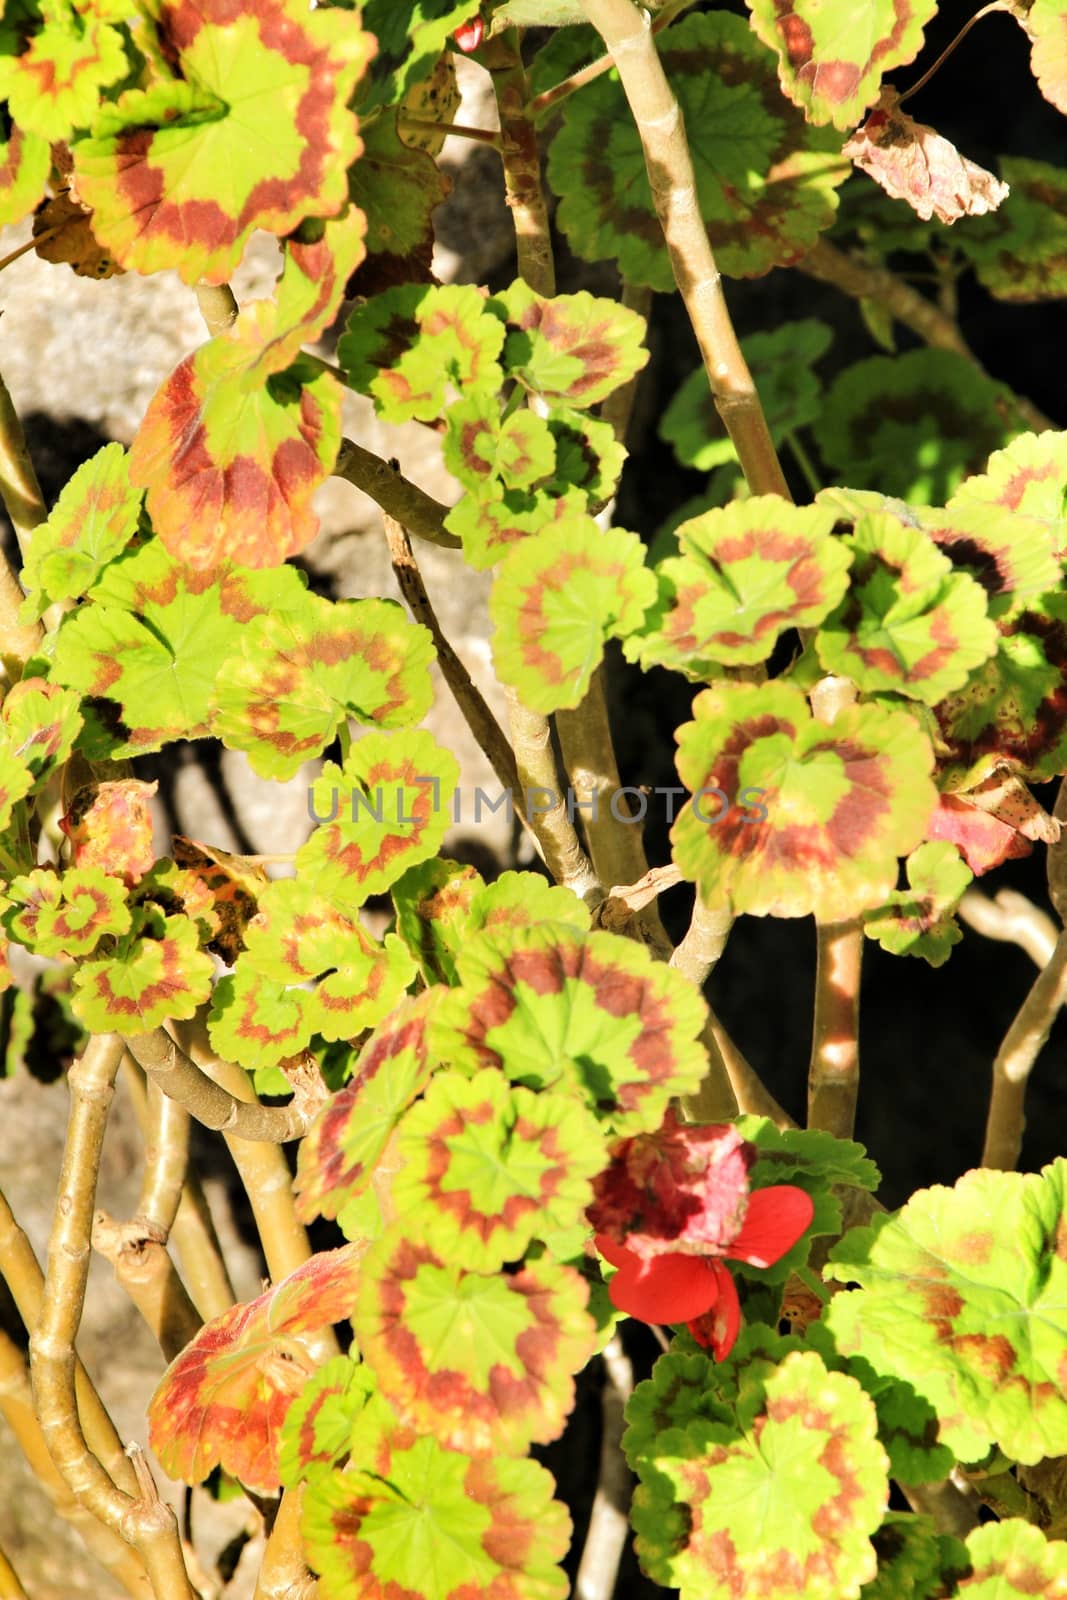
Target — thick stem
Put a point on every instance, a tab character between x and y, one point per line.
953	1511
614	832
218	307
19	488
490	736
176	1075
283	1573
862	281
609	1522
264	1172
522	163
704	941
148	1275
144	1521
626	32
419	512
16	1408
1011	917
833	1076
24	504
166	1160
10	1584
192	1231
543	103
1015	1059
715	1100
21	1271
541	797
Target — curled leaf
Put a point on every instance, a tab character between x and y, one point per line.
914	163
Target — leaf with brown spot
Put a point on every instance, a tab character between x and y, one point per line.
223	1400
553	1006
282	695
833	54
780	1499
481	1362
385	810
840	802
963	1295
180	173
765	178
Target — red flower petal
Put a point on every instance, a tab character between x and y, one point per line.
774	1221
718	1328
665	1288
470	35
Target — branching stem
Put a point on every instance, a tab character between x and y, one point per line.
143	1520
1015	1059
626	31
176	1075
383	481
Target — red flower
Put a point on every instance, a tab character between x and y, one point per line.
670	1207
470	35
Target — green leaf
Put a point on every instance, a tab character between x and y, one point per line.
488	523
1043	24
918	921
909	623
489	1167
40	723
1029	477
411	35
54	85
683	1388
441	905
1011	1560
786	1155
405	347
482	1363
592	1014
1012	713
833	56
397	188
557	597
65	916
300	948
231	455
148	981
255	133
151	644
840	801
318	1424
572	350
914	1561
384	811
25	162
426	1523
1020	252
295	679
961	1295
492	454
222	1401
780	363
765	178
745	574
782	1503
337	1157
912	425
91	523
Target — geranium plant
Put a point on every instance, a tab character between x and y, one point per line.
520	1128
